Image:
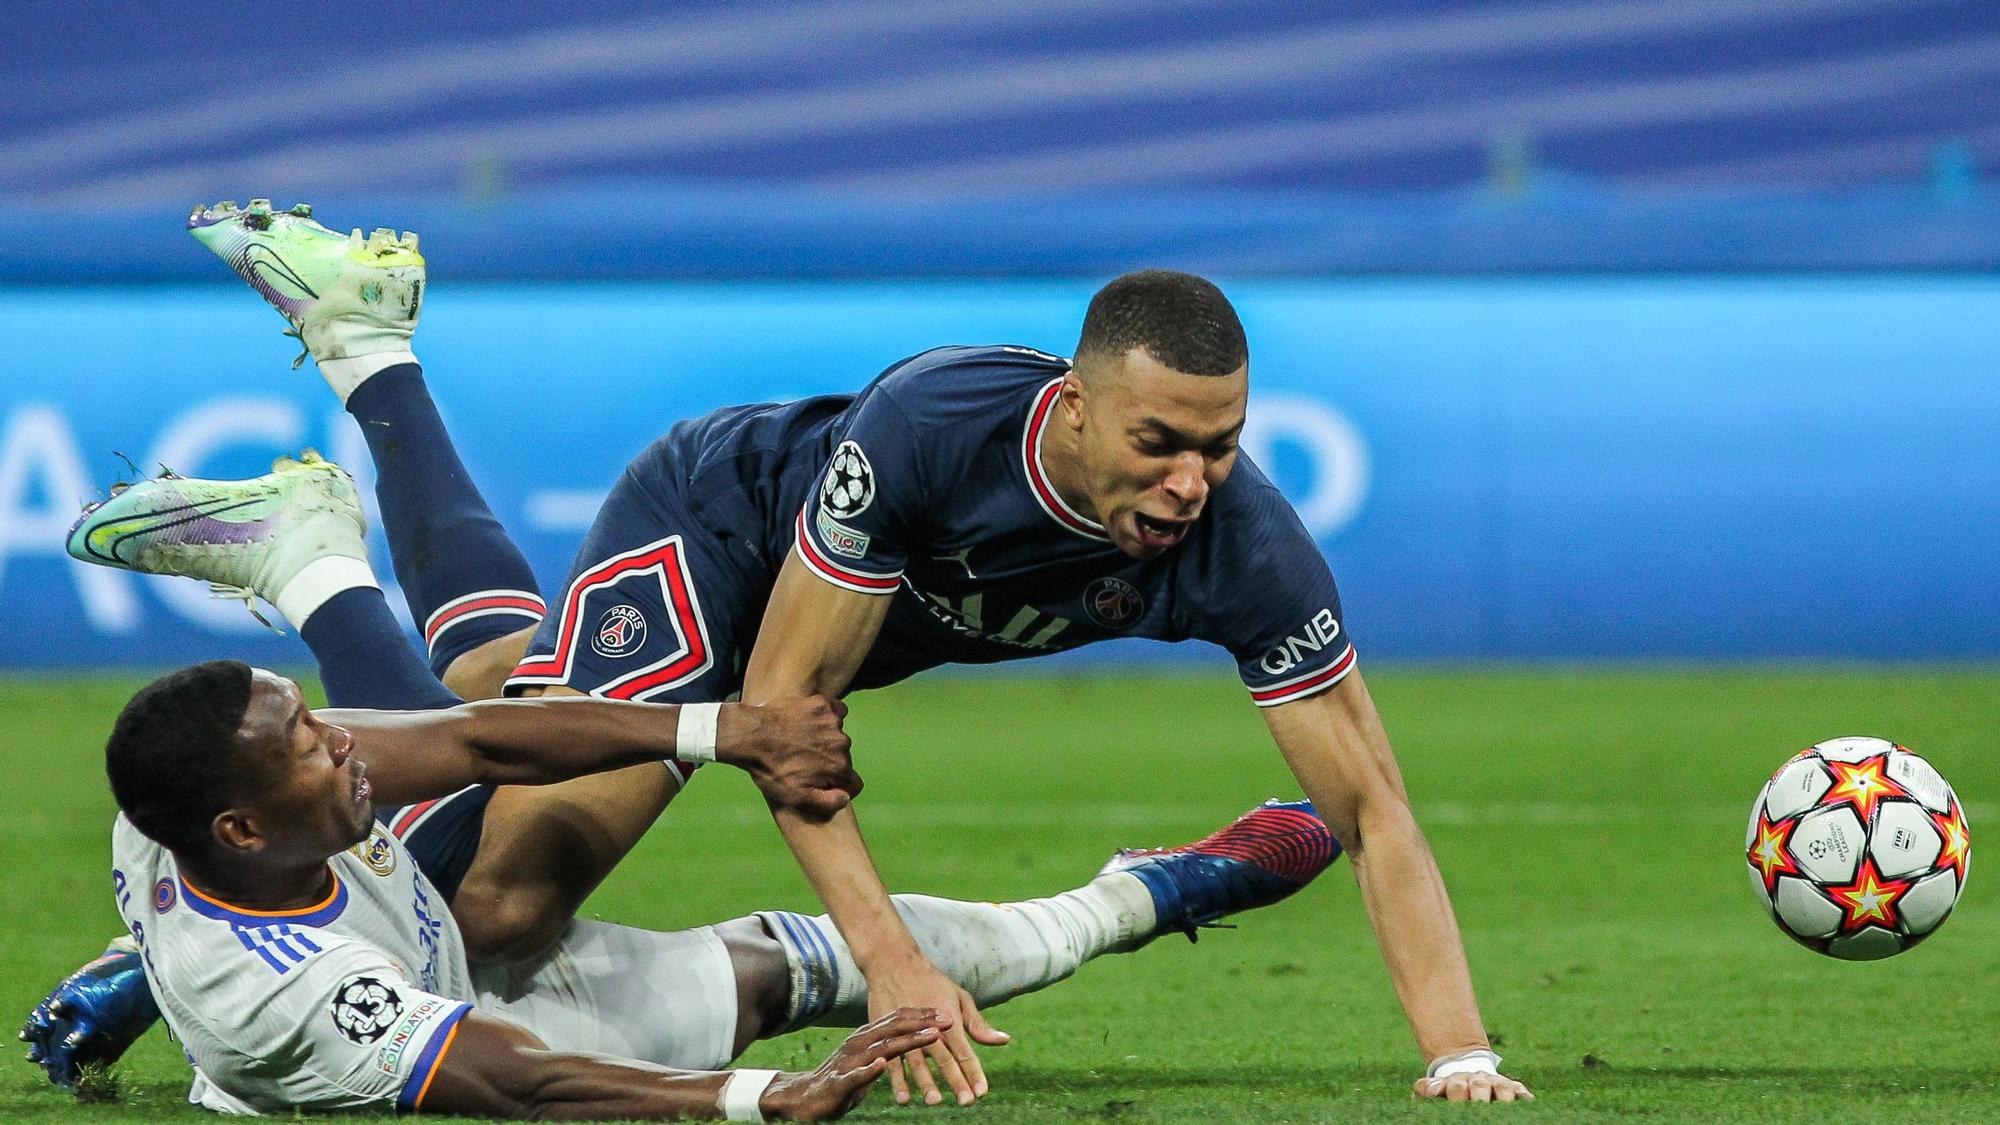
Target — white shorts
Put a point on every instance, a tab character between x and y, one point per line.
665	998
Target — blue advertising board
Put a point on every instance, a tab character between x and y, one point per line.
1655	468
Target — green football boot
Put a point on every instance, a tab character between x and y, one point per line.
245	538
345	296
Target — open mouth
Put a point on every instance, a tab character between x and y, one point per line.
1158	533
362	788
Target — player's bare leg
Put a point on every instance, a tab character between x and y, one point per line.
482	672
545	848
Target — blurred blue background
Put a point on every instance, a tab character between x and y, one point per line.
901	138
1580	330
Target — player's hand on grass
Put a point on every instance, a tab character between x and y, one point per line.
843	1080
795	750
1474	1088
951	1053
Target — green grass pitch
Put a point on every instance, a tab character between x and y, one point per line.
1588	823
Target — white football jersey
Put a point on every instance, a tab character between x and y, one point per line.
347	1005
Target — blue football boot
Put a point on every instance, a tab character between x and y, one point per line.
1261	857
92	1016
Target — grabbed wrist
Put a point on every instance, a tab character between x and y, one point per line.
699	735
893	963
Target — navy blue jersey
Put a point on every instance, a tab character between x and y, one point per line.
932	492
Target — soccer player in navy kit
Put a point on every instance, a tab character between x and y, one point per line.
970	505
990	503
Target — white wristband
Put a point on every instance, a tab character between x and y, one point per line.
1479	1061
741	1093
694	737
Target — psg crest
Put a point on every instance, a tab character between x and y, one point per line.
849	486
1113	603
620	632
364	1007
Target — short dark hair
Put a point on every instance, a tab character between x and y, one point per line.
173	756
1183	321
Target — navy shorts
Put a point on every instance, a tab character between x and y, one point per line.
441	835
665	596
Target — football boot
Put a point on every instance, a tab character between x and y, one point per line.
344	295
245	538
1260	858
92	1016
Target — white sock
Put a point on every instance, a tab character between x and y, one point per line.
344	375
995	951
317	582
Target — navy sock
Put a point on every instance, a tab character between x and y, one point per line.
364	660
465	580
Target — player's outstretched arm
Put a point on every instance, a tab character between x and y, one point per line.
493	1068
1337	748
814	638
794	748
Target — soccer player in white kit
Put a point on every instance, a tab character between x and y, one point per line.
304	961
299	953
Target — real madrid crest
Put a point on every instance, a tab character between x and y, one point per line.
377	853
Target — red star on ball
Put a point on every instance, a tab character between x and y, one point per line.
1957	849
1771	852
1870	898
1862	784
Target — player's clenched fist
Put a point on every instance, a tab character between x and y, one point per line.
795	750
843	1080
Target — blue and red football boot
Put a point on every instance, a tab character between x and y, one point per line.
1262	857
92	1016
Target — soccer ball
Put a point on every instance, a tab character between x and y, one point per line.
1858	848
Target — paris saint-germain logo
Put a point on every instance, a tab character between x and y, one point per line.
163	896
1113	603
620	632
849	486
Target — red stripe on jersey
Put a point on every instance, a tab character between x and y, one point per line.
1031	460
1285	693
833	570
443	618
410	816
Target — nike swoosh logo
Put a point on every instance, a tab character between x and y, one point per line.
187	513
262	264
